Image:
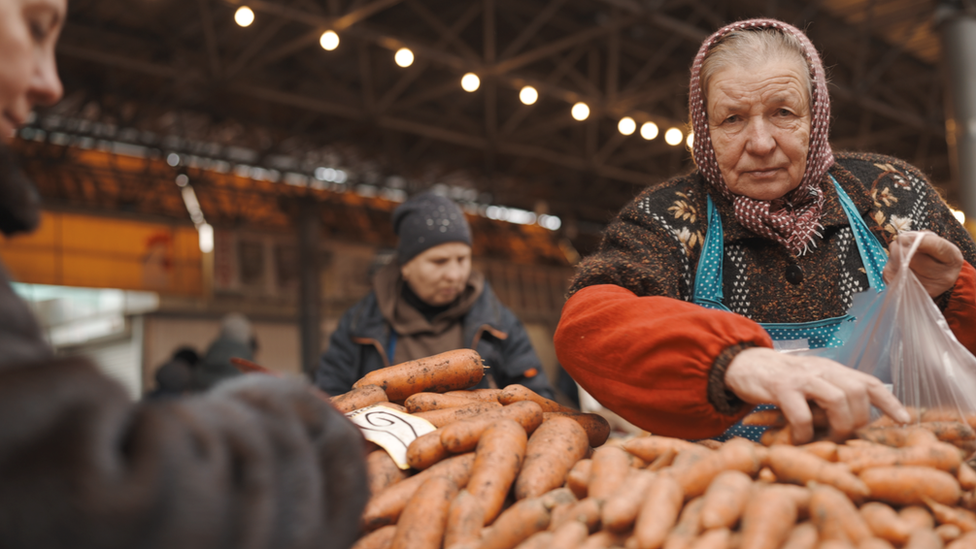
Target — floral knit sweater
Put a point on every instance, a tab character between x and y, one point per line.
631	337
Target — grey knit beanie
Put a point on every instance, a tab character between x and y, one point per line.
425	221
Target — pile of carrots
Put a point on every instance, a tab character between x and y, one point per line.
510	469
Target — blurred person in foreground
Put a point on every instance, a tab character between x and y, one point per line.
236	340
427	301
258	462
675	322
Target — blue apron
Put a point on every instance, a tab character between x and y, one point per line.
829	332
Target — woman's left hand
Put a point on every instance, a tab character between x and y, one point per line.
936	263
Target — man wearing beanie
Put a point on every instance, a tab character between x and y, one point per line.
428	301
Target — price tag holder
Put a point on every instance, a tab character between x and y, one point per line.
392	430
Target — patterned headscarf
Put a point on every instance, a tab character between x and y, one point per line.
795	228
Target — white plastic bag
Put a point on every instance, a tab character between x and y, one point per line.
902	338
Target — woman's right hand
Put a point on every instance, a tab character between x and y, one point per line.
763	376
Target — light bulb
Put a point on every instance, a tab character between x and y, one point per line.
244	16
649	130
673	136
470	82
626	125
581	111
403	57
691	140
528	95
329	40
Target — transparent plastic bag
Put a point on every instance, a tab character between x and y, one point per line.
902	338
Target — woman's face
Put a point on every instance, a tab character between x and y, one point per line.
29	30
759	119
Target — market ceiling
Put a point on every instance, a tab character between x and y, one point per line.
181	76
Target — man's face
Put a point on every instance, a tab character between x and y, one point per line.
439	274
29	31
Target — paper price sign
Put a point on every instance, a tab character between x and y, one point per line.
390	429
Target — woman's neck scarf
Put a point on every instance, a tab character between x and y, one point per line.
794	219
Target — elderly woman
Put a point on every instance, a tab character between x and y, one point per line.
676	322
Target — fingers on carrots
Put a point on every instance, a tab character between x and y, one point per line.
552	450
457	369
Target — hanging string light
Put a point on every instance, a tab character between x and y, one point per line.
673	136
627	126
244	16
329	40
690	142
470	82
649	130
528	95
403	57
581	111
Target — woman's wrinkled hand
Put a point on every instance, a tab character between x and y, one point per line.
764	376
936	263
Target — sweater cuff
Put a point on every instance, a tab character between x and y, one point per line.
724	400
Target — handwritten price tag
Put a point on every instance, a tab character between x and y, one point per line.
390	429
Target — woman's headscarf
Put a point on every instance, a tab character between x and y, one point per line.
796	227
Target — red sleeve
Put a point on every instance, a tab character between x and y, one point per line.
960	313
648	358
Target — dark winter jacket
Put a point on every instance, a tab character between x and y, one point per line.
257	463
360	343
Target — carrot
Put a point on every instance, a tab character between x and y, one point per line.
823	449
457	369
687	458
465	519
516	524
803	536
836	517
550	453
713	539
578	478
658	512
774	417
382	471
916	517
445	416
486	395
918	436
603	540
385	507
725	499
768	518
924	539
463	435
570	535
736	454
835	544
965	541
498	459
377	539
596	426
794	465
875	543
896	436
777	435
950	431
766	475
426	450
968	500
886	421
910	485
359	397
538	540
709	443
587	510
518	393
948	532
425	402
622	506
559	496
885	522
649	448
939	455
688	527
423	521
963	518
392	406
661	461
735	540
608	471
